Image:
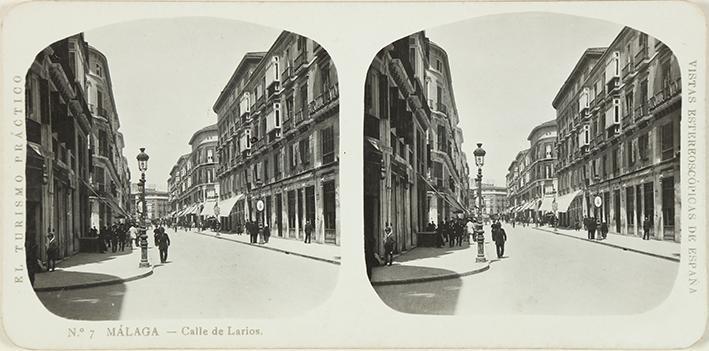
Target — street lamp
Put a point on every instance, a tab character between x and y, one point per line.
479	161
143	166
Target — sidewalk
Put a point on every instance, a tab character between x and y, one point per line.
85	270
321	252
668	250
424	264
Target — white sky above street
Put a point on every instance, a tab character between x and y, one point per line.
166	75
506	71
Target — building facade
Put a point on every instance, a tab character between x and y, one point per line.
193	190
531	179
278	123
156	201
410	129
110	202
59	127
62	167
619	121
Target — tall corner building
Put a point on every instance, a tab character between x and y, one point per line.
619	137
278	127
415	170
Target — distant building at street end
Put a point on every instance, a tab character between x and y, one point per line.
278	125
531	181
193	190
156	202
619	137
415	170
494	199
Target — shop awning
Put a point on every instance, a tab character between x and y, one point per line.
194	209
564	201
526	206
208	208
547	204
225	206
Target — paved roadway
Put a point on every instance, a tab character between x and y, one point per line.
544	273
206	278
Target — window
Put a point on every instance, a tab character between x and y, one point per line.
382	94
667	141
368	93
325	77
630	205
441	133
276	164
630	152
304	99
291	209
289	107
438	65
265	170
615	160
210	155
99	72
604	166
668	201
628	104
292	155
643	145
547	151
329	205
328	145
304	148
412	58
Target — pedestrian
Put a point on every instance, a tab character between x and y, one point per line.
604	230
156	236
266	233
439	235
259	233
450	230
499	237
592	228
460	231
646	228
93	232
308	231
389	242
163	244
52	250
470	229
121	237
114	238
252	228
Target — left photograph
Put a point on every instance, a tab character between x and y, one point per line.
182	168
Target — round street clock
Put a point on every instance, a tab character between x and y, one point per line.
598	201
259	205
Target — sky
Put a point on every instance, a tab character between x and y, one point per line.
506	71
166	76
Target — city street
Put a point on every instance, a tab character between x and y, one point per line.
544	273
205	278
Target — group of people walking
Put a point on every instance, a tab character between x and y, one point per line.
453	231
593	225
115	238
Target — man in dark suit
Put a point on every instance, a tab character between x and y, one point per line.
499	237
646	228
591	225
163	243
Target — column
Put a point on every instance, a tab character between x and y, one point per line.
658	223
623	211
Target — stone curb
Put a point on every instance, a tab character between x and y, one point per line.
431	278
670	258
272	249
97	283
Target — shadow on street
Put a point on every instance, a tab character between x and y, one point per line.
104	302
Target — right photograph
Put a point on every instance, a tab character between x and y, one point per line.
524	163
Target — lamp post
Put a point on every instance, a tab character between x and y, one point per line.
480	238
143	166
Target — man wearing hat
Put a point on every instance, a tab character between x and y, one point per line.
52	250
389	243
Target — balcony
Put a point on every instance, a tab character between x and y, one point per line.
669	91
324	99
299	61
288	123
628	68
442	108
641	56
285	75
641	112
298	117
